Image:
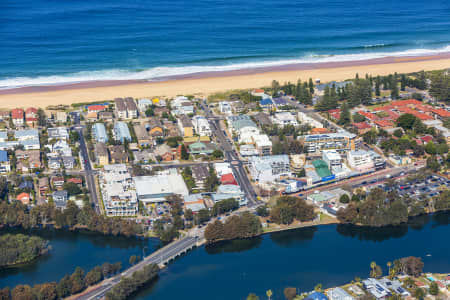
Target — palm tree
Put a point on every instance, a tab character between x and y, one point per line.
389	264
269	294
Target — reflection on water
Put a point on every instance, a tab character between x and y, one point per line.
238	245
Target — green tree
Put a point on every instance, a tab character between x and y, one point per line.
184	153
344	198
344	118
419	293
406	121
252	296
269	294
434	288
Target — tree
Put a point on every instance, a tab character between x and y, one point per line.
262	211
419	293
22	292
188	214
72	188
217	154
133	259
398	132
440	86
77	280
406	121
290	293
269	294
344	118
149	112
344	198
434	288
252	296
318	287
184	153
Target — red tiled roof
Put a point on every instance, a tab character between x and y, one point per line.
75	180
228	179
17	113
319	130
368	115
422	116
361	125
31	110
441	112
96	107
427	138
23	196
258	91
392	115
406	102
331	111
384	123
31	119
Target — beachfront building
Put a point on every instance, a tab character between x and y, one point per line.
360	160
225	107
126	108
17	116
201	126
121	132
152	189
118	191
99	133
340	141
144	104
284	118
181	105
265	169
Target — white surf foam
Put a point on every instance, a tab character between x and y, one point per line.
164	72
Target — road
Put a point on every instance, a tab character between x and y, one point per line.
231	155
158	257
89	173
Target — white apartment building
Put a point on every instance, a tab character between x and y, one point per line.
284	118
307	120
118	191
360	160
201	126
332	158
225	107
262	144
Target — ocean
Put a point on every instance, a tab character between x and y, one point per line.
45	42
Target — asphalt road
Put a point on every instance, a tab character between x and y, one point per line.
231	156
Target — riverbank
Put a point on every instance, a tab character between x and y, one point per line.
18	249
204	84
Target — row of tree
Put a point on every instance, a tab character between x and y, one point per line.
244	226
16	214
20	248
129	285
69	285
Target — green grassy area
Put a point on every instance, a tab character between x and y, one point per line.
220	96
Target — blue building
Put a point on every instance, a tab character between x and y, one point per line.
99	133
121	132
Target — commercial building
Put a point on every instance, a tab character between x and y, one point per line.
341	141
227	191
266	169
121	132
194	202
225	107
118	191
151	189
378	161
360	160
99	133
248	150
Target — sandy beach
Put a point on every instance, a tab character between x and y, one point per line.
207	83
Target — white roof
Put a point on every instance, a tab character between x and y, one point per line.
262	140
331	154
159	186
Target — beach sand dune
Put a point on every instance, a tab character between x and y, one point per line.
211	83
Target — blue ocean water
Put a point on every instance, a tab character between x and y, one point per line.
51	41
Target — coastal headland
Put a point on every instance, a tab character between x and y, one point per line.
203	84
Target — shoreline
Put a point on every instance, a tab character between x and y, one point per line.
206	83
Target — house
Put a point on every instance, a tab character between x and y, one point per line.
201	126
376	288
384	124
266	103
155	128
122	132
181	105
30	159
26	184
144	103
17	116
200	173
5	165
142	135
307	120
59	148
106	116
96	108
426	139
201	148
163	152
25	198
99	133
316	296
185	125
280	101
284	118
77	181
44	186
143	156
171	129
339	294
118	154
361	127
57	182
60	199
159	111
31	116
68	162
54	163
58	133
4	115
